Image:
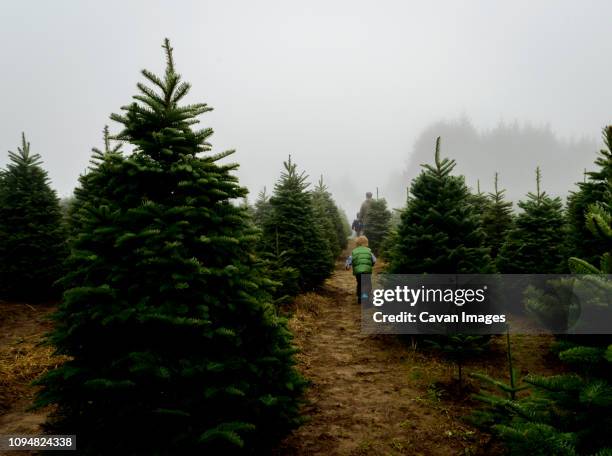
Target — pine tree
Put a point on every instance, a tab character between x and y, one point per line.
440	230
599	223
390	240
571	413
32	230
480	200
292	230
324	219
581	242
85	192
275	262
377	224
497	219
174	345
334	226
497	395
535	244
346	231
440	233
262	209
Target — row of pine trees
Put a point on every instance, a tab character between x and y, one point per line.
171	290
169	319
445	228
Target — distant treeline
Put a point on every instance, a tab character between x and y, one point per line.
512	149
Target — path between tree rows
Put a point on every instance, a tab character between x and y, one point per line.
368	395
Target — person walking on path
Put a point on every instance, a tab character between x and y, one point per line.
362	260
363	211
356	226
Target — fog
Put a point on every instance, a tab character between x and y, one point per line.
512	150
356	91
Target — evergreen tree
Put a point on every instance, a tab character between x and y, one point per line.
174	346
262	209
480	201
535	244
275	262
88	182
377	224
440	233
497	219
599	223
440	229
346	228
581	242
390	240
248	209
333	224
323	218
293	232
32	232
571	413
496	395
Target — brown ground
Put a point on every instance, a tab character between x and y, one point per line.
370	395
22	359
376	395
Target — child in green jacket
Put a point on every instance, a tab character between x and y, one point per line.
362	260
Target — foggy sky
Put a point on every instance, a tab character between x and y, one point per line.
345	87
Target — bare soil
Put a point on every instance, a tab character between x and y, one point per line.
22	359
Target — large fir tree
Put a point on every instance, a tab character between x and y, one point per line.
32	230
174	346
293	232
581	242
440	228
497	219
440	233
535	244
377	224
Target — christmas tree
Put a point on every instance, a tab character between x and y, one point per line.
535	244
440	233
480	200
275	261
497	219
85	191
262	209
293	232
323	216
377	224
496	394
599	223
571	413
440	230
32	230
333	225
174	346
581	242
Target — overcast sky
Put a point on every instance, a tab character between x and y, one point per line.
344	86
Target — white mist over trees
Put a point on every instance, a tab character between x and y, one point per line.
512	149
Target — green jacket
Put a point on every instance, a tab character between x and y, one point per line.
362	260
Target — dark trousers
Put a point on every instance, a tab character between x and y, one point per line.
364	286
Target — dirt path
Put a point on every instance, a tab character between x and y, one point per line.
366	397
22	359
